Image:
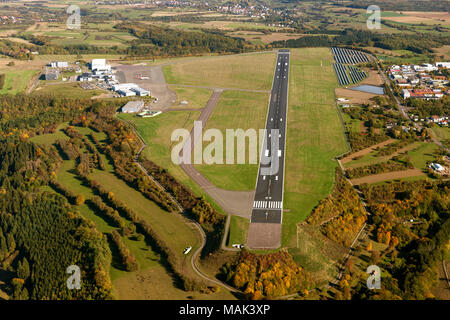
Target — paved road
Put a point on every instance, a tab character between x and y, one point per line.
268	201
402	108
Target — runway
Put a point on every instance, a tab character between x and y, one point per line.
268	201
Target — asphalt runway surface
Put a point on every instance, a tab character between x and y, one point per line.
268	201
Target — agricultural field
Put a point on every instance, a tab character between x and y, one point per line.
314	136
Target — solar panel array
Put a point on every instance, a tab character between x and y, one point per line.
356	75
347	56
345	59
341	72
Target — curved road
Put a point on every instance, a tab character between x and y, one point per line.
197	252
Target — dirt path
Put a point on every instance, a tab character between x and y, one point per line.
366	151
388	176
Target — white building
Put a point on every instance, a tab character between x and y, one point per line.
126	93
437	167
141	92
130	89
100	65
133	107
59	64
406	94
443	65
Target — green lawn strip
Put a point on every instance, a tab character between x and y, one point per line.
416	178
238	230
314	136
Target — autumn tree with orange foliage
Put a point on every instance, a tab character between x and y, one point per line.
269	275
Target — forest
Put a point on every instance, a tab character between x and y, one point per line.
411	222
36	211
163	41
266	276
41	234
417	43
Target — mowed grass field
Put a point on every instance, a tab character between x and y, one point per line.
442	133
238	230
246	71
157	134
236	110
314	136
16	80
196	98
72	90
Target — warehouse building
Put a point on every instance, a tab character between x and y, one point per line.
51	75
59	64
130	89
133	106
100	65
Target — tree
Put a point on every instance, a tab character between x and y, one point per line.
80	200
375	257
23	269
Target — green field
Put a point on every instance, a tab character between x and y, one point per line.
157	134
50	138
247	71
353	125
372	157
314	136
72	90
238	230
442	133
16	81
425	152
236	110
196	98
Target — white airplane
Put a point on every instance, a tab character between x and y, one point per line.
187	250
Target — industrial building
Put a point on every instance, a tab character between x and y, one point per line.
87	76
100	65
133	106
51	75
59	64
130	89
